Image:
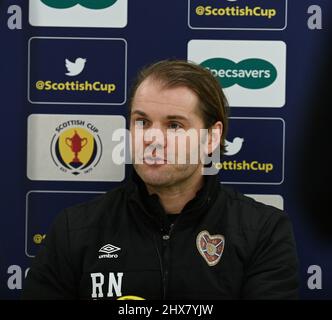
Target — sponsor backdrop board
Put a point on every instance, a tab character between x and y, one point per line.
67	13
253	73
77	75
74	148
65	73
244	15
243	162
40	201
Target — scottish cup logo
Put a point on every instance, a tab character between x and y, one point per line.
90	4
76	150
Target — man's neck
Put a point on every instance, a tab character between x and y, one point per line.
174	198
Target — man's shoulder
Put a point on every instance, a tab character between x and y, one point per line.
95	212
247	213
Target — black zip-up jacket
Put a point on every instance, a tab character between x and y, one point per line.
223	245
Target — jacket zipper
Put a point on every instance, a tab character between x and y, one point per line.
166	237
164	258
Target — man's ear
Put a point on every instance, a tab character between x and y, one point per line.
214	137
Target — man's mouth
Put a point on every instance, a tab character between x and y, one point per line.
154	160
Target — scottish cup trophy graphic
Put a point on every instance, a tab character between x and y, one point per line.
76	144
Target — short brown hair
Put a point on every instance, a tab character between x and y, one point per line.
174	73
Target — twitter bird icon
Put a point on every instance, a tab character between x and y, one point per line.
234	147
75	68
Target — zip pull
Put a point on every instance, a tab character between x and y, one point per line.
167	235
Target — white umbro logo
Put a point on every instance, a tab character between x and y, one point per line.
108	251
108	248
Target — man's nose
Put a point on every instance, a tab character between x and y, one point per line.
155	137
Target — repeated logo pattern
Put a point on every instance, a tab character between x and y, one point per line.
77	147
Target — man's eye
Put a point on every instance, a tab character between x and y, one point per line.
141	123
174	125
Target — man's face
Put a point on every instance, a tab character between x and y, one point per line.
158	115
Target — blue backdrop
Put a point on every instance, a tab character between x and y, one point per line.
279	59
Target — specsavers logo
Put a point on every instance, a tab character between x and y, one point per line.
249	73
252	73
79	13
76	149
90	4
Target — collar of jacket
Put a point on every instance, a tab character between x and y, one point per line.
151	206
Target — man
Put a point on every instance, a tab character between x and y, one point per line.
171	232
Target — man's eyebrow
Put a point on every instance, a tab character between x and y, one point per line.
140	113
169	117
177	117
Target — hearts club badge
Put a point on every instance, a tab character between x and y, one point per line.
211	247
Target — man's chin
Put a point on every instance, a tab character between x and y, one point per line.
146	168
164	174
154	174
